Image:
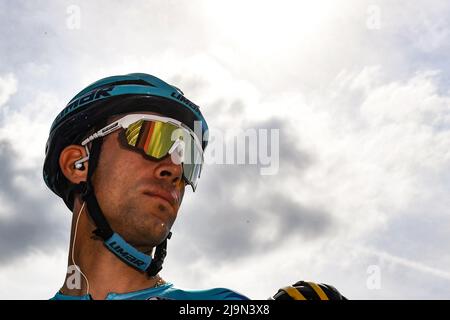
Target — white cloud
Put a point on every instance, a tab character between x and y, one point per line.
8	87
27	128
36	276
378	139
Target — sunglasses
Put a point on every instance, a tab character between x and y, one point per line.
157	137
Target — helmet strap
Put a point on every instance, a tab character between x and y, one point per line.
112	240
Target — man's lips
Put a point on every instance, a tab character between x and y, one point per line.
171	197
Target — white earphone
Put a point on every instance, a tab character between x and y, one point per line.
79	164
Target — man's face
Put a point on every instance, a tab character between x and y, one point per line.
139	197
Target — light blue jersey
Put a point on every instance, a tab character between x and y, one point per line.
165	292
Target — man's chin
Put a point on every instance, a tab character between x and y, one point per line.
147	228
159	212
156	232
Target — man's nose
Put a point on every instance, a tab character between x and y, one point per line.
169	171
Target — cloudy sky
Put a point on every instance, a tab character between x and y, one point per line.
359	91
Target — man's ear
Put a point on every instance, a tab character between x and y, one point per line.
67	160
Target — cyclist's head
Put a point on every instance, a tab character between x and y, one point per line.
94	106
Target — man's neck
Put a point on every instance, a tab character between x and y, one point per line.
104	272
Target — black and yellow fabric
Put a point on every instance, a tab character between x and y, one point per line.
304	290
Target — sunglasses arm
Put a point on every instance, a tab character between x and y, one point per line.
101	133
